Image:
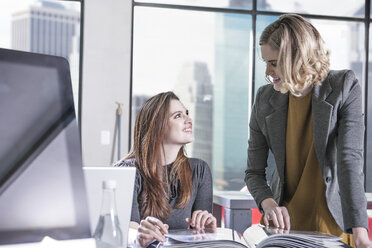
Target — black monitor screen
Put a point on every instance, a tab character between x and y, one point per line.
42	190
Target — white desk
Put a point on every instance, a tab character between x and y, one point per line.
237	215
77	243
51	243
238	205
237	209
369	200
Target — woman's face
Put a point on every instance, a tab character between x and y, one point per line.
179	129
270	56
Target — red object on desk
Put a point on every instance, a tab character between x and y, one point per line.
370	227
256	216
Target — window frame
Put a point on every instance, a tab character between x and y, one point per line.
254	12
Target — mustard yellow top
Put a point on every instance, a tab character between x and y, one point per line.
304	193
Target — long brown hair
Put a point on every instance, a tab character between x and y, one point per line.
149	130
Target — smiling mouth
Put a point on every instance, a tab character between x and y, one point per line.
276	80
272	80
188	130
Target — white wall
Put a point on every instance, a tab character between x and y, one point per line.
106	77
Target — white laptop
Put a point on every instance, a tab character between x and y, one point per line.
124	177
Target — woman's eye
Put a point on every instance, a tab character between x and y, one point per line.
273	64
178	116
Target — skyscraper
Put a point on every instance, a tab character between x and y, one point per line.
45	27
232	99
195	90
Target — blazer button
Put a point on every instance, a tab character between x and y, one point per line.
328	179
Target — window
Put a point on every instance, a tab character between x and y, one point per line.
368	133
206	55
233	4
30	25
205	59
315	7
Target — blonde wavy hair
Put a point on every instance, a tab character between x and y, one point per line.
303	60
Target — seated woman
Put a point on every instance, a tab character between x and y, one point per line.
171	190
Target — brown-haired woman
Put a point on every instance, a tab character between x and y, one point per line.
171	190
310	117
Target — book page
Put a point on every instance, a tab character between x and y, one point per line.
204	235
259	236
253	235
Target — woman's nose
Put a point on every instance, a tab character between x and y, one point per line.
269	70
188	119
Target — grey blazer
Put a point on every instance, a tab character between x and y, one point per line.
338	126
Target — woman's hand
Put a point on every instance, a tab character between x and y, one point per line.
151	229
202	219
361	237
275	230
278	215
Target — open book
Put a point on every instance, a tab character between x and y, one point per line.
256	236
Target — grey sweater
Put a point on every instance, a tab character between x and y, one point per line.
201	196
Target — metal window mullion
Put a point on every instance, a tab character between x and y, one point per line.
366	45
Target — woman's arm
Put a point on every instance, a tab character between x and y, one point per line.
148	230
361	237
204	191
350	154
202	207
350	161
255	175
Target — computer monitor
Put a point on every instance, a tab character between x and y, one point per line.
124	178
42	189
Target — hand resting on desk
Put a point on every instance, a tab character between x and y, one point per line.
151	228
202	219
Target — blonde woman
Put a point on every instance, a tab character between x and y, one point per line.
171	191
311	120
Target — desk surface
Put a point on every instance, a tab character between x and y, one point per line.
244	200
369	200
48	243
234	199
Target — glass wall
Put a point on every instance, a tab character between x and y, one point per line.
206	55
233	4
315	7
204	58
48	27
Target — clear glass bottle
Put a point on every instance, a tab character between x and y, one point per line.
108	233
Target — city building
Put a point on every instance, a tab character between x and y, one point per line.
195	90
45	27
232	99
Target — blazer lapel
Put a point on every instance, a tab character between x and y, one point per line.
322	112
276	123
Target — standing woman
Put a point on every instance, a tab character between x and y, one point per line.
311	120
171	190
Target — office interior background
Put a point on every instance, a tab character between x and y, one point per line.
206	51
